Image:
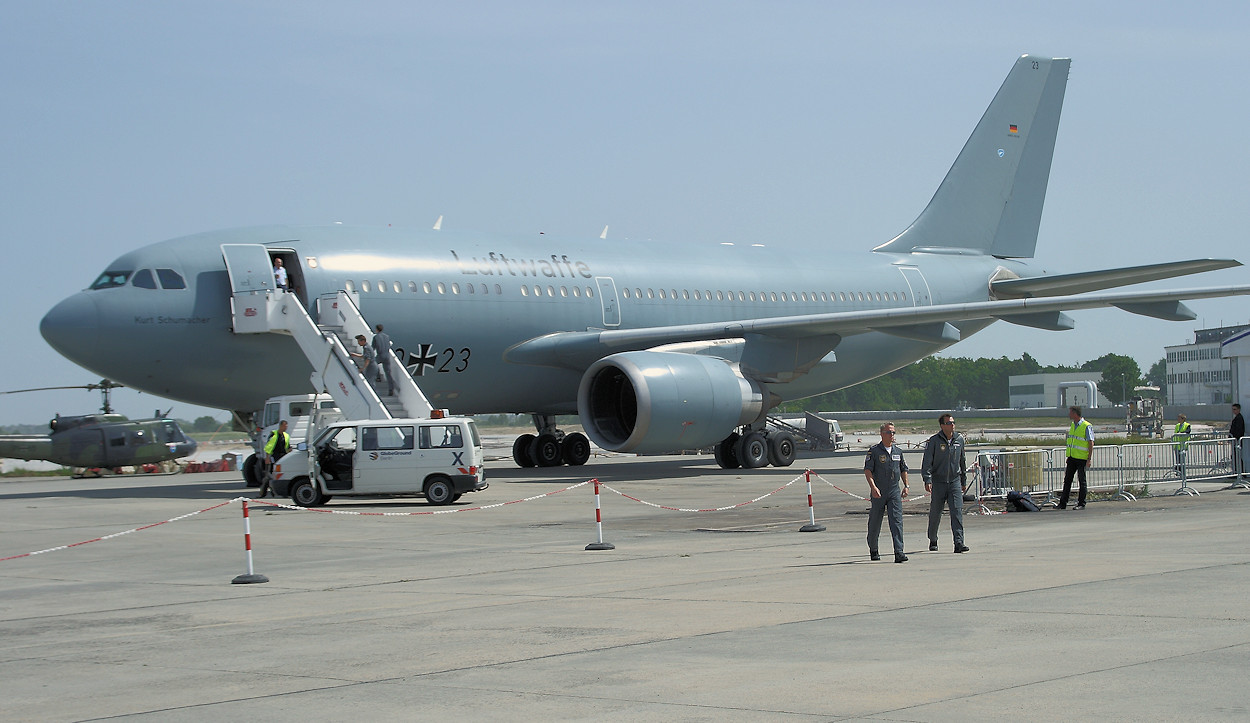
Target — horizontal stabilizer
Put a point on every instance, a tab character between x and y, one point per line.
1050	321
1166	310
941	332
1063	284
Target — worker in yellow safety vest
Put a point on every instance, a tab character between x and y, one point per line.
1080	451
1180	443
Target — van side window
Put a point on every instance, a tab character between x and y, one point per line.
384	438
440	436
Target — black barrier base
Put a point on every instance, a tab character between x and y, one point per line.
812	528
601	546
248	578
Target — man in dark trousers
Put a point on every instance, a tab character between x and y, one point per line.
1237	430
945	474
382	346
886	470
276	447
1080	451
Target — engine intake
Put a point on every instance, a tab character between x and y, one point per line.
652	402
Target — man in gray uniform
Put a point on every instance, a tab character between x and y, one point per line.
945	474
382	347
886	470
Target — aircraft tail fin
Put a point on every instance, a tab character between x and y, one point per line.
991	199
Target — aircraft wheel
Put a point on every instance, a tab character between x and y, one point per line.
575	449
251	471
726	452
439	491
304	494
546	450
521	450
781	449
753	451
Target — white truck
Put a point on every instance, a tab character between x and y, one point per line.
440	458
302	412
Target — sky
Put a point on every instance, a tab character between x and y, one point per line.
831	123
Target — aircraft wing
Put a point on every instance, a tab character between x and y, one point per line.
810	336
1079	283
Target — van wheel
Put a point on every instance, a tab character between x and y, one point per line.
251	471
304	494
439	491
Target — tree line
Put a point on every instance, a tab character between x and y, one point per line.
946	382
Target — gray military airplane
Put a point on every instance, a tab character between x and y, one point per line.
655	347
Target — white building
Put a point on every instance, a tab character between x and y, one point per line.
1030	391
1236	350
1198	373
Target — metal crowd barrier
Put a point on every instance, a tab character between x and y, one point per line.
1128	470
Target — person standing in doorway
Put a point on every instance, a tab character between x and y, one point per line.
945	474
279	275
886	470
1080	452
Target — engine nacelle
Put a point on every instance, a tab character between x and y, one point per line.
654	401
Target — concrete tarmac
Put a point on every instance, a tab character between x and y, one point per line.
1123	611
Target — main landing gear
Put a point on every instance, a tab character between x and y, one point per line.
550	447
755	448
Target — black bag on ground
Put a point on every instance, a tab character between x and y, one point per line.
1021	502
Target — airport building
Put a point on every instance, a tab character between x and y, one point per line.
1236	351
1066	389
1199	373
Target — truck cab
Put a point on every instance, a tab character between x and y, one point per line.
302	413
439	458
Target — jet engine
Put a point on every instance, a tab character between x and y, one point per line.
653	401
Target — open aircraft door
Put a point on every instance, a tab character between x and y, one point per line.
251	286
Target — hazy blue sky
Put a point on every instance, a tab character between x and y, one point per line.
828	123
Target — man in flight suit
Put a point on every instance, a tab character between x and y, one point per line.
885	470
945	474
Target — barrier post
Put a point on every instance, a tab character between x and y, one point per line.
811	526
600	545
250	576
1239	462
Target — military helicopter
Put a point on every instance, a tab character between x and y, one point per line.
101	442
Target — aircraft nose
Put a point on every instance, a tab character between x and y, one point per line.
72	327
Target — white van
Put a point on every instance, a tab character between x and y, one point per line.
439	458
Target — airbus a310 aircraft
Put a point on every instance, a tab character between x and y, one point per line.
655	347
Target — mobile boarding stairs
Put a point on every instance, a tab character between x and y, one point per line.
258	307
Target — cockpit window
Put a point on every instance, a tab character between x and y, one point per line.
143	279
171	279
109	279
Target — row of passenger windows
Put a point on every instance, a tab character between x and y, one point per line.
455	289
142	279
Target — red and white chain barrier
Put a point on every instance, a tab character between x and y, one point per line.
497	505
115	535
710	509
852	494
